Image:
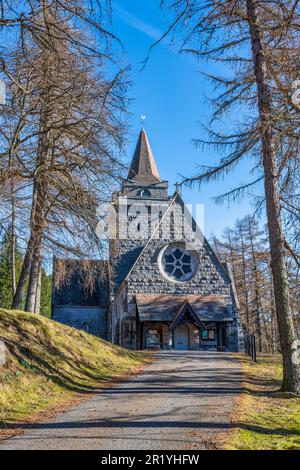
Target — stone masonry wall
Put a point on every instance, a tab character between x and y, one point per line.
93	320
146	277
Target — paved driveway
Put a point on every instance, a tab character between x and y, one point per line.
180	401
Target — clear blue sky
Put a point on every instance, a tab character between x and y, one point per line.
171	92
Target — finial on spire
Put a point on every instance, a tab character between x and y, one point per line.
143	119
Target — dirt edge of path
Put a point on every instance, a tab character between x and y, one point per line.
17	428
220	441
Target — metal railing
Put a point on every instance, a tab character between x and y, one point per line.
250	346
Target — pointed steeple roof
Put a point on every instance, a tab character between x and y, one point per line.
143	168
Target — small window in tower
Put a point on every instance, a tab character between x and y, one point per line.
160	224
144	193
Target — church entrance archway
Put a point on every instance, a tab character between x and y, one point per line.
181	337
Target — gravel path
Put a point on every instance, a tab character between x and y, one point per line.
180	401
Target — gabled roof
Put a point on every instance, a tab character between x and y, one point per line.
168	307
176	198
185	311
143	168
80	283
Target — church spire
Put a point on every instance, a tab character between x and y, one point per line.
143	167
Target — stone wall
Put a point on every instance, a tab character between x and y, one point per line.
146	276
125	251
157	190
93	320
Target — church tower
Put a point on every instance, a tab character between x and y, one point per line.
142	201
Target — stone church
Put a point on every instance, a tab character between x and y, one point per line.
163	286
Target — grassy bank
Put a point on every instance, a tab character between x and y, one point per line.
266	418
48	364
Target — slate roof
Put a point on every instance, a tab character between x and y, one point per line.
165	307
76	288
143	168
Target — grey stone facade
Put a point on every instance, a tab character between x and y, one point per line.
90	319
165	287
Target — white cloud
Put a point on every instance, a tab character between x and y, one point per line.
137	23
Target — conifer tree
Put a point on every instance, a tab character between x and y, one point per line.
257	43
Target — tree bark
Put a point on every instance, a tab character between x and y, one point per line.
13	223
13	252
33	282
256	288
37	217
26	266
19	294
37	307
288	338
13	237
246	295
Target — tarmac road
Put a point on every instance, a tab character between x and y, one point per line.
180	401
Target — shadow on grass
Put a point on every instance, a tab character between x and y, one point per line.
70	381
145	422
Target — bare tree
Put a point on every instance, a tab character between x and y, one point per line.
248	257
67	147
251	36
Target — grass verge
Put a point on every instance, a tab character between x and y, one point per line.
266	419
49	365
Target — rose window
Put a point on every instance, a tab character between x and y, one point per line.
178	263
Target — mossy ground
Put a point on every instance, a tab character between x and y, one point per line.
266	419
48	363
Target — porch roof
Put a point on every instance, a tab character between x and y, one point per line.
165	307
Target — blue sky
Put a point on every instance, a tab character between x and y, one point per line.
172	93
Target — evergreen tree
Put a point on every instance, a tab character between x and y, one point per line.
6	263
46	289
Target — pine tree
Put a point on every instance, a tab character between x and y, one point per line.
6	269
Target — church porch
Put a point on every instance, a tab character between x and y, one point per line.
186	336
174	322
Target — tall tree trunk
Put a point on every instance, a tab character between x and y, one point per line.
19	294
33	282
13	250
288	338
13	238
32	290
26	265
256	288
273	318
246	295
37	217
37	307
13	223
